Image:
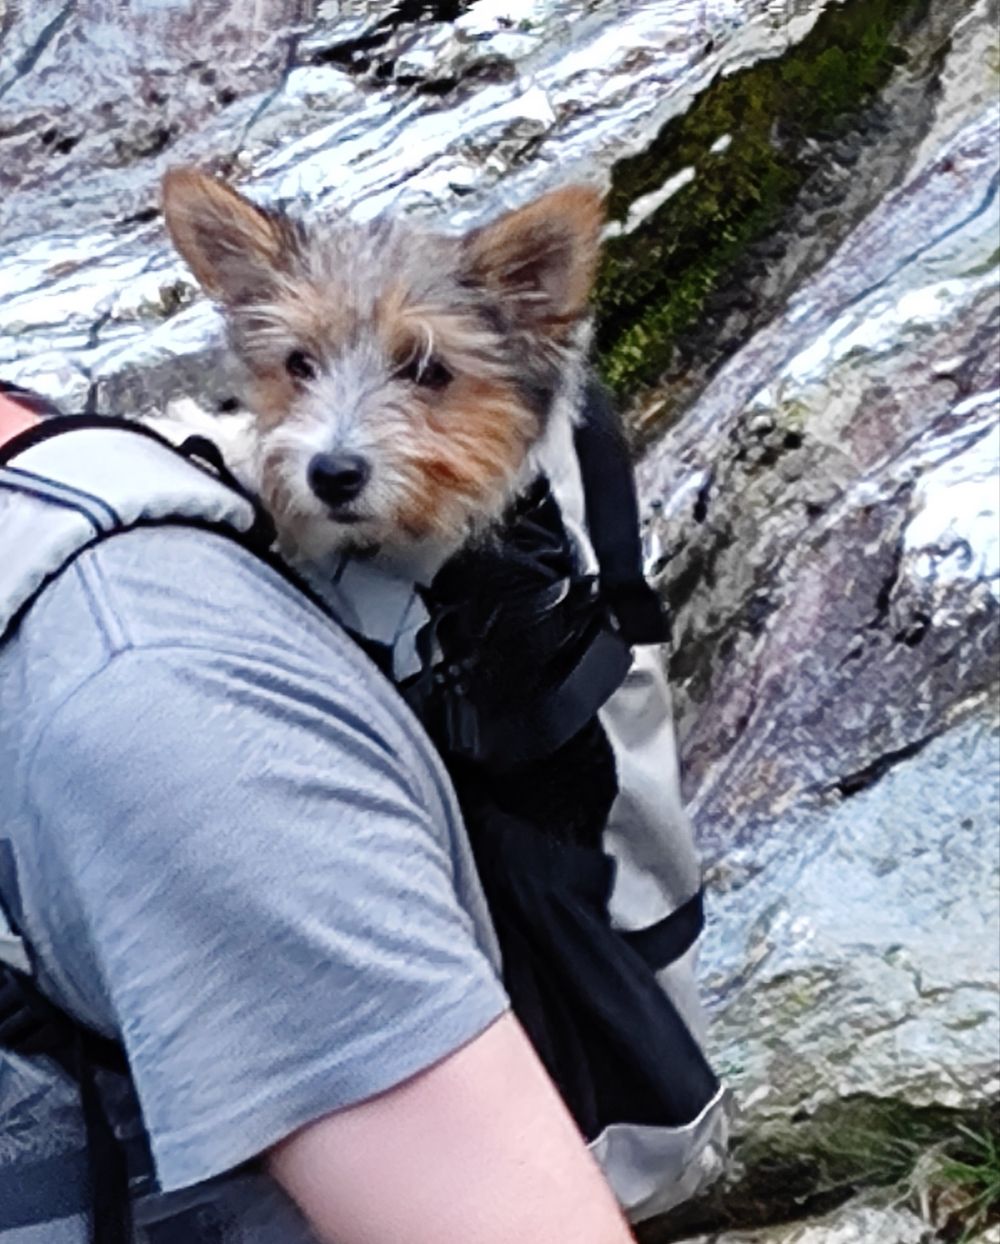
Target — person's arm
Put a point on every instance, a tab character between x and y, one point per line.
14	417
478	1149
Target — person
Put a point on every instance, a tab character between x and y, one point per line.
230	847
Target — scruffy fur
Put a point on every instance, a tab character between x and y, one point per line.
440	363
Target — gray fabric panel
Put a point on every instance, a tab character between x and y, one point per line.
27	561
652	1169
139	478
648	832
136	475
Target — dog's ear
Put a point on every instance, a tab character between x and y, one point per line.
231	245
541	258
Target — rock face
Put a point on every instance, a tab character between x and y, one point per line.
799	308
860	1225
824	519
450	108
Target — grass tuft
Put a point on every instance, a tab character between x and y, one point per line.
972	1171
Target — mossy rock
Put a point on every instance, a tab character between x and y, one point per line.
655	281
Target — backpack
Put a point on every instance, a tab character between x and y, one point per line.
533	660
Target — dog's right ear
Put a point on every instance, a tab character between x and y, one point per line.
231	245
541	258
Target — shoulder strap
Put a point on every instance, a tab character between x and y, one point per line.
74	480
80	479
65	485
612	511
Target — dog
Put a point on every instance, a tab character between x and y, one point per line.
404	385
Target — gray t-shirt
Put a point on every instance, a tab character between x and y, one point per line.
229	844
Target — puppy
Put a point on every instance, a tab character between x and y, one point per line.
403	384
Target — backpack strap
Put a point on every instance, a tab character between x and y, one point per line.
612	511
532	646
65	485
80	479
528	650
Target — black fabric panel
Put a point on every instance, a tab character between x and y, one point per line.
613	521
609	1036
43	1191
201	1222
31	1025
566	795
530	652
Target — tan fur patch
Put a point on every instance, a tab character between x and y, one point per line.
467	456
457	336
435	360
466	442
272	394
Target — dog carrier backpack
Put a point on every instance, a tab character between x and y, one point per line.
534	662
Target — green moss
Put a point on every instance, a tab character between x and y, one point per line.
655	282
987	265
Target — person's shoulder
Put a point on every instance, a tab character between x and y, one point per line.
164	601
176	586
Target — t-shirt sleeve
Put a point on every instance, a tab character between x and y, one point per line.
266	899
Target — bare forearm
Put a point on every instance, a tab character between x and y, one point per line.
477	1150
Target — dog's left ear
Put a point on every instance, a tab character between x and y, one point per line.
541	258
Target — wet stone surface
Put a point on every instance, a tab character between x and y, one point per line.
94	302
799	309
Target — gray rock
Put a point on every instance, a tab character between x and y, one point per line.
98	100
848	1225
825	519
856	952
829	610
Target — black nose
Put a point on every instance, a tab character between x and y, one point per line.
337	478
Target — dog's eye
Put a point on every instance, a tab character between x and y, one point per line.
300	366
429	373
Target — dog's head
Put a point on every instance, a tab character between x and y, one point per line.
399	379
